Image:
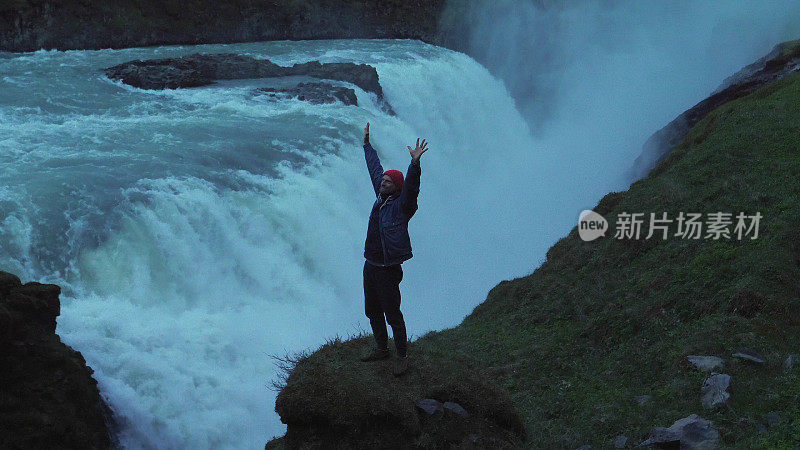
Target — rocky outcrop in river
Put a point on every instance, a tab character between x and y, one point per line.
201	69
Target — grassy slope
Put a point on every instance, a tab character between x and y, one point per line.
602	322
599	323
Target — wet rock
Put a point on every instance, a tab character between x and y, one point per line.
314	93
690	432
620	441
714	390
456	409
749	355
705	363
200	69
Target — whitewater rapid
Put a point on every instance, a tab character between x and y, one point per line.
197	232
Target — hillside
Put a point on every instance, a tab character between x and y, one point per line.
571	350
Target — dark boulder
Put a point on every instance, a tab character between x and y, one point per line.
200	69
314	92
48	398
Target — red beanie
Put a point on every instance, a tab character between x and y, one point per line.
396	176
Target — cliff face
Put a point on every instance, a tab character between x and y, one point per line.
48	398
30	25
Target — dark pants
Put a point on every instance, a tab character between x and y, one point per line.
382	297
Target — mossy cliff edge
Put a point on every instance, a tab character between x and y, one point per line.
594	344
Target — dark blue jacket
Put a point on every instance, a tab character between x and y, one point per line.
387	241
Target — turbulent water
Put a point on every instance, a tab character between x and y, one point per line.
197	232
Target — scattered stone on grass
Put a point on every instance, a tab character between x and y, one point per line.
455	408
749	355
705	363
714	390
431	407
690	432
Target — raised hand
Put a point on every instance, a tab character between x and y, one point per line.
418	150
366	134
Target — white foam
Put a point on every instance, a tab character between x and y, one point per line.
210	257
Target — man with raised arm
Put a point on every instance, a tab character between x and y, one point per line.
385	249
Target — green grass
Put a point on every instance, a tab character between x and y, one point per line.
602	322
790	48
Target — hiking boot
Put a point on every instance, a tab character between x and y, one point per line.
400	366
377	353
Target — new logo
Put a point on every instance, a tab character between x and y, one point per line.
591	225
